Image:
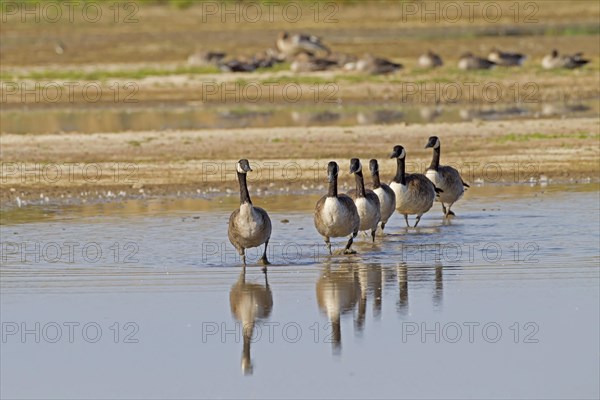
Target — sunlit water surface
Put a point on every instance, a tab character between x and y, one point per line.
147	299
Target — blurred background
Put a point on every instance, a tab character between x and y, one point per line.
142	65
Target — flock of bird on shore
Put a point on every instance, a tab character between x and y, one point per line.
307	53
361	209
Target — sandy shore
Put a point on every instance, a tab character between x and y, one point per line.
91	167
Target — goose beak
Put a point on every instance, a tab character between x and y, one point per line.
393	155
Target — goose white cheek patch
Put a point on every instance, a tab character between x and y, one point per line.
239	168
437	144
403	154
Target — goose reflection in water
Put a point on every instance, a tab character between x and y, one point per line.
250	302
338	291
346	289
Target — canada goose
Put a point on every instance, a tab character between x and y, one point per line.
292	45
554	61
468	62
306	63
373	65
430	60
387	197
249	302
338	291
204	58
506	59
444	177
249	226
367	202
414	192
336	214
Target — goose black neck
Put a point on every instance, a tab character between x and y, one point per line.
332	192
244	195
360	184
376	181
435	161
400	171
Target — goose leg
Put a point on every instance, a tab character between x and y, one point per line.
406	219
266	277
328	244
418	219
263	260
349	244
444	210
373	234
450	212
243	255
382	227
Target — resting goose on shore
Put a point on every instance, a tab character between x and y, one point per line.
292	45
468	62
387	197
249	226
430	60
367	202
506	59
414	192
373	65
554	61
444	177
306	63
336	214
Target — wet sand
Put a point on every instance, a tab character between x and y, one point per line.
104	167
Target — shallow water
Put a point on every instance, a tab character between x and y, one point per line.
95	118
501	301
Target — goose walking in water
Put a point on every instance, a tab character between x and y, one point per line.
249	226
444	177
387	197
335	214
414	192
367	202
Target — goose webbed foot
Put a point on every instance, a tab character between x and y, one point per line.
263	260
450	214
347	249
